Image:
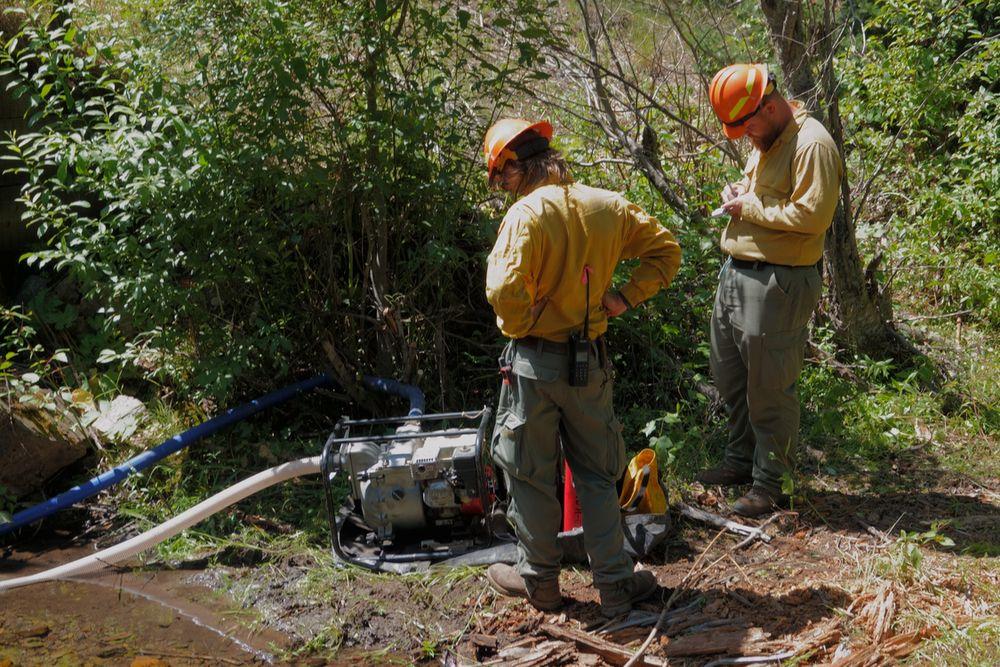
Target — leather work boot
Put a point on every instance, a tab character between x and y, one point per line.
617	598
759	501
543	594
723	476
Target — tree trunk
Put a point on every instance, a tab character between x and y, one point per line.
395	353
860	312
784	23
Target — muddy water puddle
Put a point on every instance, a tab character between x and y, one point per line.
115	618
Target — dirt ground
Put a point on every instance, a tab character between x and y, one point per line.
834	585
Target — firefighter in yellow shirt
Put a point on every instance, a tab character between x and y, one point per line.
549	282
769	284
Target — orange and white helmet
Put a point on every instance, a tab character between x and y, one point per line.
514	139
736	93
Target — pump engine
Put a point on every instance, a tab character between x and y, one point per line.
430	487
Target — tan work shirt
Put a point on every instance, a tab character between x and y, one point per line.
791	193
544	242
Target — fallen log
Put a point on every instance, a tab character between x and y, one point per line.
610	653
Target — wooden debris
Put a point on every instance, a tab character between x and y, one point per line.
542	653
546	653
752	659
483	641
819	635
903	645
626	636
588	643
887	652
697	571
680	626
876	612
712	642
641	618
527	641
721	522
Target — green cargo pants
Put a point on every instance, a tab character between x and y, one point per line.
758	338
536	408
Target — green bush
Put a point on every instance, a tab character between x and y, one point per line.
234	182
923	115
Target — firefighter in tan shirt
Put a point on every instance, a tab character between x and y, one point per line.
770	284
549	282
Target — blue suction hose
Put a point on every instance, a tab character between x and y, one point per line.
408	391
178	442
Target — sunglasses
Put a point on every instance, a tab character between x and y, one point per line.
768	89
742	121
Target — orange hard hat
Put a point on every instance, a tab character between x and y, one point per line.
736	92
514	139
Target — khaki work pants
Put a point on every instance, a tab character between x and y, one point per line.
535	408
759	330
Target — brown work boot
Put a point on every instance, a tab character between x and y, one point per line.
759	501
724	476
617	598
542	594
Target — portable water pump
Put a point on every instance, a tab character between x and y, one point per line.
421	490
413	494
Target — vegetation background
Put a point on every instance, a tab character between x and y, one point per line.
219	188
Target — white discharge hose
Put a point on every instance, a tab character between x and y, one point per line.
152	537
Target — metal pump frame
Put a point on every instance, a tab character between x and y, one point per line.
342	435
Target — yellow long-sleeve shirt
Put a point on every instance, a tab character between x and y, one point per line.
791	193
544	242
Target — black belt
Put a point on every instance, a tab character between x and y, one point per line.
545	345
757	264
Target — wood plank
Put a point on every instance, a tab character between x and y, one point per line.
713	642
611	653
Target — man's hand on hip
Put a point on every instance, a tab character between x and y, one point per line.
613	304
536	310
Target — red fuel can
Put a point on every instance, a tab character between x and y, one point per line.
572	516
